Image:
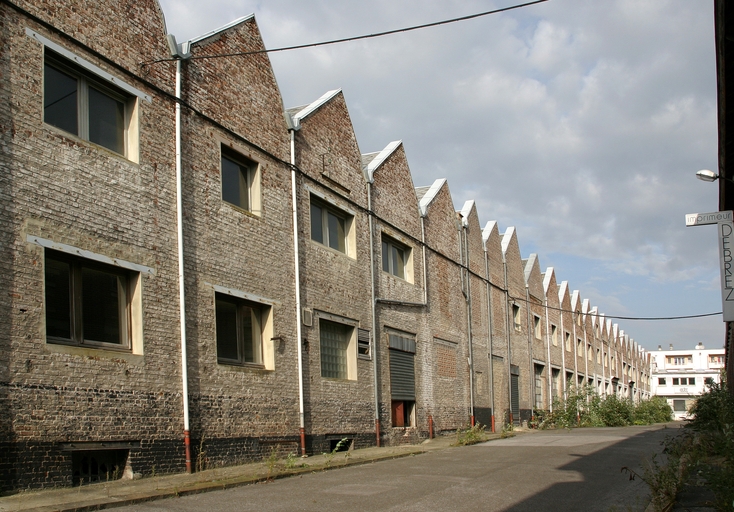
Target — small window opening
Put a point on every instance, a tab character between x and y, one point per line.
91	466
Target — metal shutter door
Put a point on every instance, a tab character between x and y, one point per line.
402	375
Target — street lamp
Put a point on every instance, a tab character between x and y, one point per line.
706	175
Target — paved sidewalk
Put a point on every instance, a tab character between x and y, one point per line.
128	492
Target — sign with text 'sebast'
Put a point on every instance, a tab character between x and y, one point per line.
725	226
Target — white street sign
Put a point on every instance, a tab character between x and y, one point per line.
725	225
700	219
726	246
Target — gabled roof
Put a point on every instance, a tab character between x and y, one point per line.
562	291
465	211
575	296
372	161
487	231
506	238
221	29
426	195
531	261
298	115
547	276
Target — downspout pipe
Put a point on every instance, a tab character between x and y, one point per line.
563	353
509	343
548	354
180	54
292	128
489	336
373	302
464	234
531	335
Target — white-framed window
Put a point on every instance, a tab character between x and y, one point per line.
680	360
395	258
89	303
537	331
240	180
330	226
338	350
517	319
87	106
240	326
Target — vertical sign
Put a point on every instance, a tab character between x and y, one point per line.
726	246
725	224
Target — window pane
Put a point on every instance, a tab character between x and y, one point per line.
334	342
336	232
385	257
106	121
317	230
250	327
226	330
60	100
398	262
100	306
58	302
235	189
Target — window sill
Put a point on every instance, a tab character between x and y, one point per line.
336	381
332	250
84	142
244	366
94	352
248	213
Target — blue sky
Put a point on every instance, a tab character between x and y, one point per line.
580	123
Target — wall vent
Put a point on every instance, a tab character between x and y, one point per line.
307	317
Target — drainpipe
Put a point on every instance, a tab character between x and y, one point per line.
467	296
575	362
507	333
296	262
489	335
179	54
374	312
563	353
548	355
531	335
425	270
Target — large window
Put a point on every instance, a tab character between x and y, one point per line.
335	343
239	180
239	330
87	303
329	225
85	106
394	257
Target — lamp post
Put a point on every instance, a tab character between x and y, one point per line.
711	176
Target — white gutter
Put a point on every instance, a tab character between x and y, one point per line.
373	302
548	353
180	55
489	334
297	276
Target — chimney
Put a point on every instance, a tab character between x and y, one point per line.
671	346
699	346
660	347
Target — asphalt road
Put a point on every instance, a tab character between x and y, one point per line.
548	470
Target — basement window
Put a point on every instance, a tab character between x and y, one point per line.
91	466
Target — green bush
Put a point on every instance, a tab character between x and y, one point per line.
583	407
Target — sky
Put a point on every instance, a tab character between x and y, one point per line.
580	123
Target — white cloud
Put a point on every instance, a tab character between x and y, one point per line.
579	122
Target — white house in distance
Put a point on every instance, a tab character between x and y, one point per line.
681	375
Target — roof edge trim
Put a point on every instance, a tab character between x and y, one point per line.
380	159
221	29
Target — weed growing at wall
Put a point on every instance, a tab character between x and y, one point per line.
470	435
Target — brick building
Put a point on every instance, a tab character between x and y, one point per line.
323	295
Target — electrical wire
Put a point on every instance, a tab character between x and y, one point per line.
653	318
357	38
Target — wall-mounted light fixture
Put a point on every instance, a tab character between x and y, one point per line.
706	175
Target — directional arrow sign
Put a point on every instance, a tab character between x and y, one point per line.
725	225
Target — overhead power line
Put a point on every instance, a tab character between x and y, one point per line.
683	317
357	38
